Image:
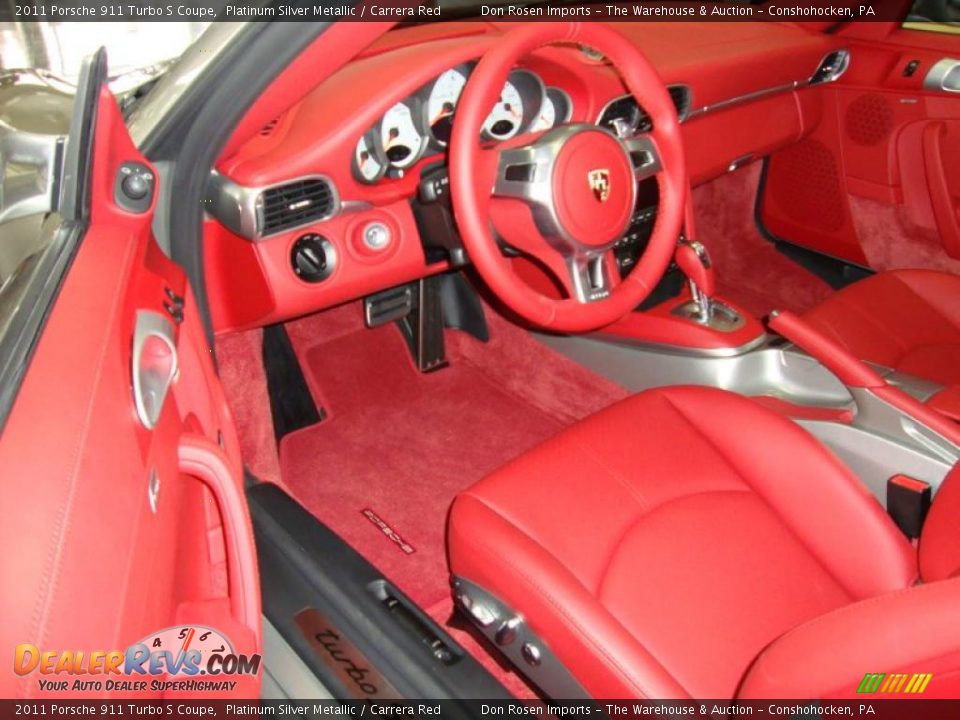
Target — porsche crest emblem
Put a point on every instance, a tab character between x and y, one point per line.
599	181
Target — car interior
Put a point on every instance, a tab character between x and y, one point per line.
586	360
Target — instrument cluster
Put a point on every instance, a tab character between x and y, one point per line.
422	123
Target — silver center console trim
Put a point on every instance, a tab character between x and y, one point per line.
880	442
609	339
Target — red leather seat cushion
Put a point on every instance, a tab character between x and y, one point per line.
660	544
905	319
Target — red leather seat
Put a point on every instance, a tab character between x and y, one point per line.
689	542
905	319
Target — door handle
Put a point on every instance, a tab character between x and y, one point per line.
202	459
154	361
943	76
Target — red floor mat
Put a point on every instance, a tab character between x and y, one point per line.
401	444
749	269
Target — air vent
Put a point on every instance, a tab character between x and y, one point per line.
625	117
831	67
680	94
294	204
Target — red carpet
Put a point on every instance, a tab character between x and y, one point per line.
401	444
749	269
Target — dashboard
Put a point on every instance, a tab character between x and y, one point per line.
342	190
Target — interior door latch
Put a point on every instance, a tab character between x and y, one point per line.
154	362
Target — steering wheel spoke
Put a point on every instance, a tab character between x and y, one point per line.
644	156
520	175
589	277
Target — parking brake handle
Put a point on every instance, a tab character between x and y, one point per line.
851	370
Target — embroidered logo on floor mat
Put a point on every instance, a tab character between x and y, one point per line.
392	534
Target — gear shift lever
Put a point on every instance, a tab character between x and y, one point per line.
694	260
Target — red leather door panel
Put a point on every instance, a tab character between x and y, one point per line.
880	175
112	531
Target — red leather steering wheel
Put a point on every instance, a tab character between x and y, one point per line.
566	196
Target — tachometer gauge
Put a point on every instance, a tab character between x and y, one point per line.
507	115
556	109
442	102
367	163
399	136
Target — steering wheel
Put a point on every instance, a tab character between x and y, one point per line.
566	196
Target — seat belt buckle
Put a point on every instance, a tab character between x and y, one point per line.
908	501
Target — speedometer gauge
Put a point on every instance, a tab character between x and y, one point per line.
556	109
367	164
507	115
399	136
442	102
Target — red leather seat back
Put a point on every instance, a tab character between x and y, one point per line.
908	320
940	540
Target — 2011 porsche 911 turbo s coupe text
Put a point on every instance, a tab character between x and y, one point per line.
488	360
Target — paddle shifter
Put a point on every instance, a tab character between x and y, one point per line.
694	260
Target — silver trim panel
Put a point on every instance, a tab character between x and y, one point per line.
240	208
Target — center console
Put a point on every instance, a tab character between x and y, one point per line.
874	431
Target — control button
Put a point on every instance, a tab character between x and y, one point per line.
376	236
911	68
313	257
531	653
507	632
135	186
482	614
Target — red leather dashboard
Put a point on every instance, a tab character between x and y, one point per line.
317	127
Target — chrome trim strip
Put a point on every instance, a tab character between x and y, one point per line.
755	95
240	208
775	89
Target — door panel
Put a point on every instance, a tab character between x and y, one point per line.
888	177
111	530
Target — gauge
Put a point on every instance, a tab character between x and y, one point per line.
399	136
547	117
442	102
507	115
368	166
556	109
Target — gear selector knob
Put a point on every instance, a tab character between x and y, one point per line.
694	260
